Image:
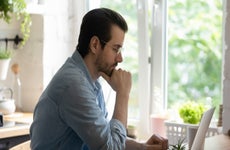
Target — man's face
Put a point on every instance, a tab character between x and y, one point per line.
110	56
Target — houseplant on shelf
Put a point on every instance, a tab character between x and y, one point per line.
17	8
5	57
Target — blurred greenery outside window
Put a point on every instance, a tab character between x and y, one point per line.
194	51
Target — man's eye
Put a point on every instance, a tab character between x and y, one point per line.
116	50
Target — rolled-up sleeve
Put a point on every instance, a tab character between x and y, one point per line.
118	133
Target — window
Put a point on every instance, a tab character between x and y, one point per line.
186	54
173	49
194	51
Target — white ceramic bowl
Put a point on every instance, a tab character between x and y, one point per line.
7	106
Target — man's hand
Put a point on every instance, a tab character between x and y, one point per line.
156	142
120	80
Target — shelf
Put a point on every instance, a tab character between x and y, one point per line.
35	8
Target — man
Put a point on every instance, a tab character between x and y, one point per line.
71	112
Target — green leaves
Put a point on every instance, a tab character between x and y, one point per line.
9	8
179	146
6	8
191	112
4	54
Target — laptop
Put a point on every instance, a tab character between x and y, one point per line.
199	139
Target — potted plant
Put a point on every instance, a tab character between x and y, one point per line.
5	57
180	145
11	8
191	112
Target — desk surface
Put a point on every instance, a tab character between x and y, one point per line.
16	124
218	142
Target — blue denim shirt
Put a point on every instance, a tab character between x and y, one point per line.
71	113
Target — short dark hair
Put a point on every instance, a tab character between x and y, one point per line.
98	22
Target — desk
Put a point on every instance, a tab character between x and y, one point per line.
218	142
15	129
17	124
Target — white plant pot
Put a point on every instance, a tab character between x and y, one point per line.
4	65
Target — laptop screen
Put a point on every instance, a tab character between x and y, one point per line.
202	129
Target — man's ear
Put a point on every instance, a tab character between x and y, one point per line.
94	44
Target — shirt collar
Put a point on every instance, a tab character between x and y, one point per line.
79	60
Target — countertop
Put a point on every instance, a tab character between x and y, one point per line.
16	124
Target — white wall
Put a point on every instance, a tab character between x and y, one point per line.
29	59
53	38
61	28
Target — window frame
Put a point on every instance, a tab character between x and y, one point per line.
152	57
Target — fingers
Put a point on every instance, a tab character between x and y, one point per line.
124	81
152	147
105	76
156	139
120	80
165	144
